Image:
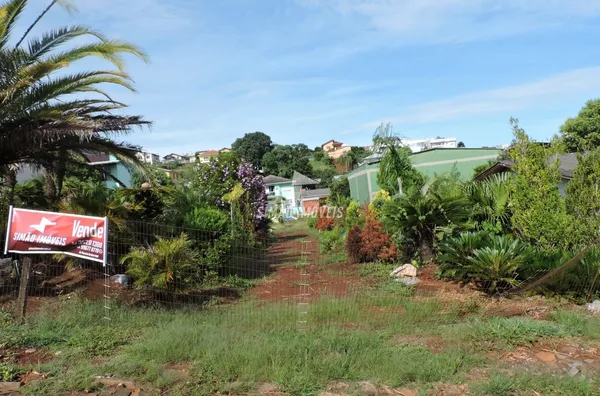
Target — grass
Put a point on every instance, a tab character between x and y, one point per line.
233	349
236	348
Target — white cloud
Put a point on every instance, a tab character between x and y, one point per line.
551	90
459	20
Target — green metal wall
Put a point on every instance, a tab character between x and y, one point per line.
429	163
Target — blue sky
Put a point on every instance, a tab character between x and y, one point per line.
312	70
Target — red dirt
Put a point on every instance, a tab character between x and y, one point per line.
294	282
25	356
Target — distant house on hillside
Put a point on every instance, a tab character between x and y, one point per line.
148	157
174	157
567	164
363	180
335	149
205	156
293	192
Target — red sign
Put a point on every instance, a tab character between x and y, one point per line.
37	232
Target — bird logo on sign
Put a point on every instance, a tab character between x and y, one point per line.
43	224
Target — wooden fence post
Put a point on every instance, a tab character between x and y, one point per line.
23	289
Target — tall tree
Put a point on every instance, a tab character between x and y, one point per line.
284	160
539	212
461	145
252	147
582	133
49	116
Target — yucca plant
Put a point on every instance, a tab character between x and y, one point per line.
50	115
495	268
167	265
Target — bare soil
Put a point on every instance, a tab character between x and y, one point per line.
298	274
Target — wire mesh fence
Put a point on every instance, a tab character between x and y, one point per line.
163	266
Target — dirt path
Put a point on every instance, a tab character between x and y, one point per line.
300	272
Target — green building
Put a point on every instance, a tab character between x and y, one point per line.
363	180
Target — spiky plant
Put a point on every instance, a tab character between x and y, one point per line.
168	265
49	114
454	253
495	268
490	199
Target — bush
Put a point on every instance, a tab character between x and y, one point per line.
354	245
379	199
493	263
376	244
324	221
311	222
169	264
207	219
353	217
330	241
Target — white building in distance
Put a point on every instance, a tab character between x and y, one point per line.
148	157
426	144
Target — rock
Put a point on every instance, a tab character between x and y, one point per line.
408	281
368	389
118	382
593	307
546	356
31	350
575	369
57	353
405	271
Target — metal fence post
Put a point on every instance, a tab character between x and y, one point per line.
23	290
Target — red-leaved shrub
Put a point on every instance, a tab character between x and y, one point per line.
354	245
324	220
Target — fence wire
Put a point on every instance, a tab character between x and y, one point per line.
287	276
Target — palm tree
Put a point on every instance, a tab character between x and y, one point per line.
395	168
490	201
50	116
416	217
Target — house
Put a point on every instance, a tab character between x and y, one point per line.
567	164
311	200
116	173
290	191
148	157
204	157
363	179
335	149
174	157
225	150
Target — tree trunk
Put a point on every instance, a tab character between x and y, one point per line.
60	172
426	250
11	181
50	186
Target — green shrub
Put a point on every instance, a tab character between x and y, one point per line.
495	268
169	264
493	263
454	254
330	241
207	219
353	217
576	282
312	221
